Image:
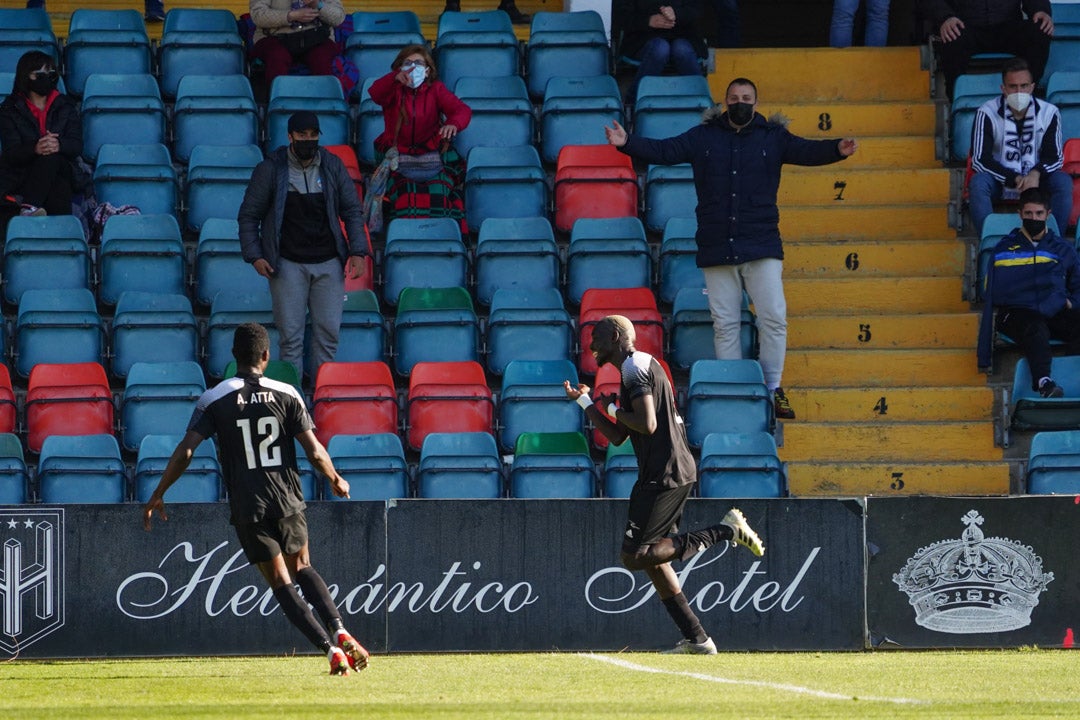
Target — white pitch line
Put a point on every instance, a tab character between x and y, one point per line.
752	683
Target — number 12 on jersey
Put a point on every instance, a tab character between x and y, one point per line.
269	430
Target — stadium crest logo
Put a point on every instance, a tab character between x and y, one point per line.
31	575
975	584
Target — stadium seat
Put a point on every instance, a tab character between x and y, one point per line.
565	44
158	400
198	41
152	327
727	396
217	178
201	481
310	480
505	182
692	333
139	175
552	465
449	397
969	93
141	253
121	109
8	410
369	122
67	399
1064	55
14	478
669	194
463	465
23	30
1071	165
533	400
527	324
374	466
741	465
104	41
515	254
44	253
669	105
354	398
81	469
219	266
1031	411
347	156
678	258
593	181
1054	463
423	253
1066	20
620	470
473	44
57	326
434	325
320	94
280	370
229	310
376	39
213	110
606	253
575	111
362	336
637	304
502	115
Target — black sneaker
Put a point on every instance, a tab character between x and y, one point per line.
516	16
1050	389
781	406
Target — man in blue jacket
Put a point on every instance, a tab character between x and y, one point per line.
1034	283
737	156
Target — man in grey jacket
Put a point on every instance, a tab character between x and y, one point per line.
291	232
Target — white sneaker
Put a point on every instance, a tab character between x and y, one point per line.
688	647
742	533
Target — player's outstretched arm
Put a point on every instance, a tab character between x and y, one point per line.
178	463
320	459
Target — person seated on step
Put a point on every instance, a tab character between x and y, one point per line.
661	33
1015	145
1034	284
507	6
291	31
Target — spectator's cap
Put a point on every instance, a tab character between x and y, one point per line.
303	120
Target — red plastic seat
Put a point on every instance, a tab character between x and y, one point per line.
354	398
448	397
607	382
67	399
1071	155
593	181
8	420
637	304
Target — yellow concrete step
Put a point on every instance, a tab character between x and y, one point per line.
884	222
890	442
894	151
898	478
880	369
838	184
871	295
891	405
859	257
825	75
828	120
956	330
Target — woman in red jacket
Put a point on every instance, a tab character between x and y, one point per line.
421	117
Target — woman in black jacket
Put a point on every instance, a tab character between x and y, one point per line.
40	139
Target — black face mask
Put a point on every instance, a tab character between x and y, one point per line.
1034	227
305	150
44	84
740	113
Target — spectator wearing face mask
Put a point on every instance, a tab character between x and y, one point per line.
1016	144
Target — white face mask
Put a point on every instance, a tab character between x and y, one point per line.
1018	101
417	76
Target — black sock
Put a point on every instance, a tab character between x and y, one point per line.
679	610
317	594
699	540
299	614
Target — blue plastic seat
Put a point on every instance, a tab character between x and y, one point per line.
669	193
1066	20
310	479
669	105
104	41
435	325
423	252
152	327
741	465
201	482
219	265
502	114
565	44
121	109
506	182
515	253
81	469
320	94
57	326
470	44
141	253
159	399
213	110
528	324
692	334
376	39
229	309
369	123
576	110
217	178
198	41
47	253
678	258
362	336
533	400
969	93
14	479
1031	411
1064	55
23	30
607	253
552	465
460	466
620	470
139	175
374	466
727	396
1054	463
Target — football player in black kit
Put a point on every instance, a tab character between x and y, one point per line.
255	420
666	474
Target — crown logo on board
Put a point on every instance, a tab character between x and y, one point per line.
975	584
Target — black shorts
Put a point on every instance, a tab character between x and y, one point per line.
654	514
266	539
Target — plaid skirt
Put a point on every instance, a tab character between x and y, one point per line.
442	196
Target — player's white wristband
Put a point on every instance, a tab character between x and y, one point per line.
584	401
611	408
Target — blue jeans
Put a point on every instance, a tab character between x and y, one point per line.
984	190
727	23
843	22
658	52
297	289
